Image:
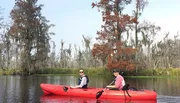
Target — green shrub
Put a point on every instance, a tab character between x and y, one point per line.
98	71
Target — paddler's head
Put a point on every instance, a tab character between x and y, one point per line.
81	72
116	72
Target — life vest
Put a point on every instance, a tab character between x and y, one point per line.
80	79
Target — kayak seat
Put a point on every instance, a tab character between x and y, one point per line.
133	89
126	87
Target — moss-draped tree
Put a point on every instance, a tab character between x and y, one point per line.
30	31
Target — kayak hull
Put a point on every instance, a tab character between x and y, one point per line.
91	92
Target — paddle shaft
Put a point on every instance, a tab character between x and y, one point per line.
109	84
112	82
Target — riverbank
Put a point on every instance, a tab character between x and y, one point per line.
58	71
98	71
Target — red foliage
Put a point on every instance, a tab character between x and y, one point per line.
118	55
100	49
134	20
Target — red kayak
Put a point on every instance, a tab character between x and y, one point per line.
92	92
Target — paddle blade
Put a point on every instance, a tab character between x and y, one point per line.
65	88
98	94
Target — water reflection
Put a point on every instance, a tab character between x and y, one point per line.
18	89
26	89
163	86
65	99
168	99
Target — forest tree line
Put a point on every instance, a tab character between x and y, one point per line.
25	42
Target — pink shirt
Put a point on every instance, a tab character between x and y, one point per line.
119	83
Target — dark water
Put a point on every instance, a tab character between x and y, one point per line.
26	89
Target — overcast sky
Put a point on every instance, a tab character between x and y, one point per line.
72	18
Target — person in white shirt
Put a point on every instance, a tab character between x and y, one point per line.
83	80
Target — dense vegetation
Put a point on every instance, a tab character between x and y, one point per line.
125	42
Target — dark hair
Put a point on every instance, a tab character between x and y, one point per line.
115	70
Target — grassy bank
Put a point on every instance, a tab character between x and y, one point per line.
74	71
10	72
57	71
154	72
98	71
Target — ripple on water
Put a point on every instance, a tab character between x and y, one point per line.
168	99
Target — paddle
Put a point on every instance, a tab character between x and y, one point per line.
98	94
125	88
65	88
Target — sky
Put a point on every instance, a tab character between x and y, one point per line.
74	18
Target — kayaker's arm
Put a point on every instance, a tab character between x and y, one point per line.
111	86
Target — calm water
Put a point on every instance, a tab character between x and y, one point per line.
26	89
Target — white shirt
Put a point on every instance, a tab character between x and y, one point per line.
83	81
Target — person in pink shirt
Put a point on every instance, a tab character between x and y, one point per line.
119	81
